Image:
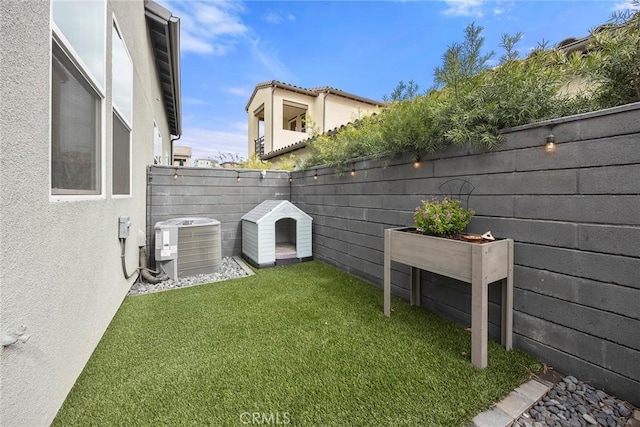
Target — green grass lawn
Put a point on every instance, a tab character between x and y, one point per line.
300	345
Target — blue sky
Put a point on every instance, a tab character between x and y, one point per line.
361	47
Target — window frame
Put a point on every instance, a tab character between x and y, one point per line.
299	120
100	86
127	121
58	39
118	114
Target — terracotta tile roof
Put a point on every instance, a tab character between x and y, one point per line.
302	144
311	92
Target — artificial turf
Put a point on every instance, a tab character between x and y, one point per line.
304	344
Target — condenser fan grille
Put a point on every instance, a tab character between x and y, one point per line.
198	250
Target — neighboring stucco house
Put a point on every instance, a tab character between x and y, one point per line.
90	96
278	114
181	155
206	163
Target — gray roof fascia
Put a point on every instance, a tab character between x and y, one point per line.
166	46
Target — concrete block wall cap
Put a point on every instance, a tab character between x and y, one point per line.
575	117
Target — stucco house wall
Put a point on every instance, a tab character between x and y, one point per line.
337	109
327	108
262	99
60	272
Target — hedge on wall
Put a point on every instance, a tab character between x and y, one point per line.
472	102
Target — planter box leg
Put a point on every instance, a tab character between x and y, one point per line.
507	304
415	286
479	315
387	273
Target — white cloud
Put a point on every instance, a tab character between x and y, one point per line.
241	126
268	56
216	27
273	18
625	5
276	18
210	143
500	8
240	91
191	43
464	8
209	27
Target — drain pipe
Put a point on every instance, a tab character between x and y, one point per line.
171	141
146	272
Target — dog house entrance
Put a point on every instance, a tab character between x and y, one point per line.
286	239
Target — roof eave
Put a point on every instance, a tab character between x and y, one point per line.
280	85
167	44
351	96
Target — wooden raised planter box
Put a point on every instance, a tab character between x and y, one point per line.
478	264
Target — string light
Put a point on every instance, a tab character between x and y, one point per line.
550	146
353	170
175	174
238	177
315	175
416	163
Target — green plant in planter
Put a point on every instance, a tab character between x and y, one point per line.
441	217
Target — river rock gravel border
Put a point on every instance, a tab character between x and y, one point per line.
573	403
230	268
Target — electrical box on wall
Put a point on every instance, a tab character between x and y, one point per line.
123	227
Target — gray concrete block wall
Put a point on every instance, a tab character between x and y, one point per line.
574	215
212	193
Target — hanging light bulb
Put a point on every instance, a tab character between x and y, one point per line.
416	163
550	146
315	175
175	174
238	177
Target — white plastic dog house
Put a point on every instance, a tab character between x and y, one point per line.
276	232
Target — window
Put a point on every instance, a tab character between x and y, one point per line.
294	116
77	93
121	157
75	130
122	89
81	26
122	72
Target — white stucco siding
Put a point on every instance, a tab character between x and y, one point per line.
340	110
60	260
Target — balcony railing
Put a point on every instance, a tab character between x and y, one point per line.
260	147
